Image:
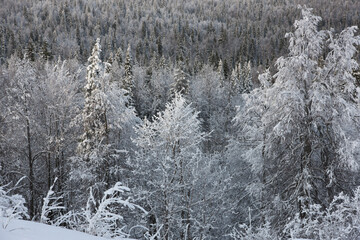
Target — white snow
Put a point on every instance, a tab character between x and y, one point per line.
27	230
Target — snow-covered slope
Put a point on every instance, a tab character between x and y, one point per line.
26	230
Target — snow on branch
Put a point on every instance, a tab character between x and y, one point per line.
105	219
51	204
11	206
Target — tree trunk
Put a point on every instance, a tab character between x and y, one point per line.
31	171
166	223
306	153
48	160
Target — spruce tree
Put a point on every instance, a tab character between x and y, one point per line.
226	69
220	70
93	115
128	83
45	53
119	56
181	81
234	81
30	51
247	78
89	164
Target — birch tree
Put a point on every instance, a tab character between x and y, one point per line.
169	151
305	123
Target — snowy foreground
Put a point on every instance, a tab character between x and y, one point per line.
26	230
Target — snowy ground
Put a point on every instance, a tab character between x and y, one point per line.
26	230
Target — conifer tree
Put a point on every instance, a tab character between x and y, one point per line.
181	81
128	67
107	119
159	46
198	65
247	78
162	63
220	68
214	59
30	51
92	148
119	56
234	81
3	46
45	53
226	69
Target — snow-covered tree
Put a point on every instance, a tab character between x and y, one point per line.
335	110
60	82
161	80
107	119
211	99
24	101
245	160
221	72
181	81
234	81
11	206
93	147
119	56
287	129
241	78
142	92
249	232
294	140
51	204
247	78
128	82
105	219
168	154
340	220
41	101
220	68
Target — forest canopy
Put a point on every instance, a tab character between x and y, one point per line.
169	119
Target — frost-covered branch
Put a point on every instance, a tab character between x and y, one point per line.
106	219
51	204
11	206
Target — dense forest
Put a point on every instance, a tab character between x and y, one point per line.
168	119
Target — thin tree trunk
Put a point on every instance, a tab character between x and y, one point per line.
31	171
166	223
306	154
49	158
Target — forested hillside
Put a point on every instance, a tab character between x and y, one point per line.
170	119
192	31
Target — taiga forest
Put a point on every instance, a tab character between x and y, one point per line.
180	119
